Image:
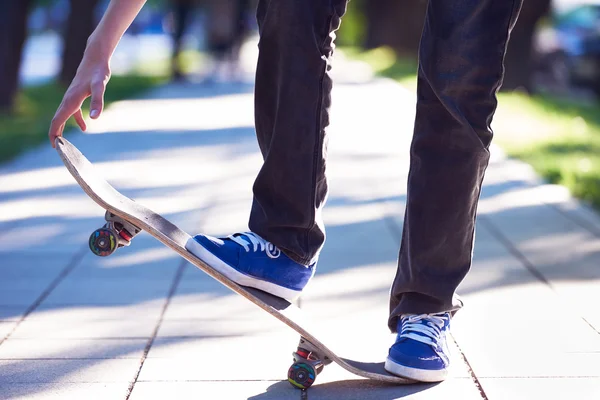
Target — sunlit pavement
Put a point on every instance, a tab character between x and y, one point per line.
143	324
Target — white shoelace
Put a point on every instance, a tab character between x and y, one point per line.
424	328
256	242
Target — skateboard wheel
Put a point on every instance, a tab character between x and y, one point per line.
301	375
103	242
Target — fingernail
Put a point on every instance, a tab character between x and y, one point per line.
94	113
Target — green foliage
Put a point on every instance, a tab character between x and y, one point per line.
352	31
28	125
561	140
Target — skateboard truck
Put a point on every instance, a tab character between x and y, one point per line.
116	233
308	363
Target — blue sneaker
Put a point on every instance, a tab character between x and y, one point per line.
421	349
249	260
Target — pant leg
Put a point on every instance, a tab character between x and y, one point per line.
292	100
460	69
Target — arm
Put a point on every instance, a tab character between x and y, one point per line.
94	71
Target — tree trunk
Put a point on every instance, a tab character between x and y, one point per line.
80	25
395	23
13	32
518	59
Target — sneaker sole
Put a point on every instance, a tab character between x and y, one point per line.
421	375
236	276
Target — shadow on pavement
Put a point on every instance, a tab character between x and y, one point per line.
200	177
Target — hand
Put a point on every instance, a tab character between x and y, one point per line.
91	80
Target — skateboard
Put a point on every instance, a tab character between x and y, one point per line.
125	218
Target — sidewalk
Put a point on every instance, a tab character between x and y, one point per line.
143	324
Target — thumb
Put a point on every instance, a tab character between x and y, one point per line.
97	103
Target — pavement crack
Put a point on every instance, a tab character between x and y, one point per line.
471	371
523	259
512	249
173	288
576	219
304	394
75	260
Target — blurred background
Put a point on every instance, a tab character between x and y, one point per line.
549	106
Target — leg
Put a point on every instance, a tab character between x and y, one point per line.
292	99
293	90
460	69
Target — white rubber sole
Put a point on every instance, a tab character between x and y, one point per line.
241	279
421	375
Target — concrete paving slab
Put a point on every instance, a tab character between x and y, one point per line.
568	262
25	276
558	237
526	388
523	176
346	251
581	213
91	322
6	328
44	205
194	281
86	329
67	371
21	349
61	313
48	233
203	307
64	391
224	326
21	292
265	357
355	270
209	305
182	390
135	262
503	328
25	266
458	389
12	313
108	291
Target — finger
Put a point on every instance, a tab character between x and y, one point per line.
97	103
56	127
69	106
80	120
58	122
55	133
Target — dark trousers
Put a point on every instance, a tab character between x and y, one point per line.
460	69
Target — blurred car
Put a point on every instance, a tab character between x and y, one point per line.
568	50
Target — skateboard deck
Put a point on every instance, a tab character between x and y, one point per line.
125	218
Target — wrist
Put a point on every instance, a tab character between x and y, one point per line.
98	49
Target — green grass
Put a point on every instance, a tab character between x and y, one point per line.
560	138
189	61
28	125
